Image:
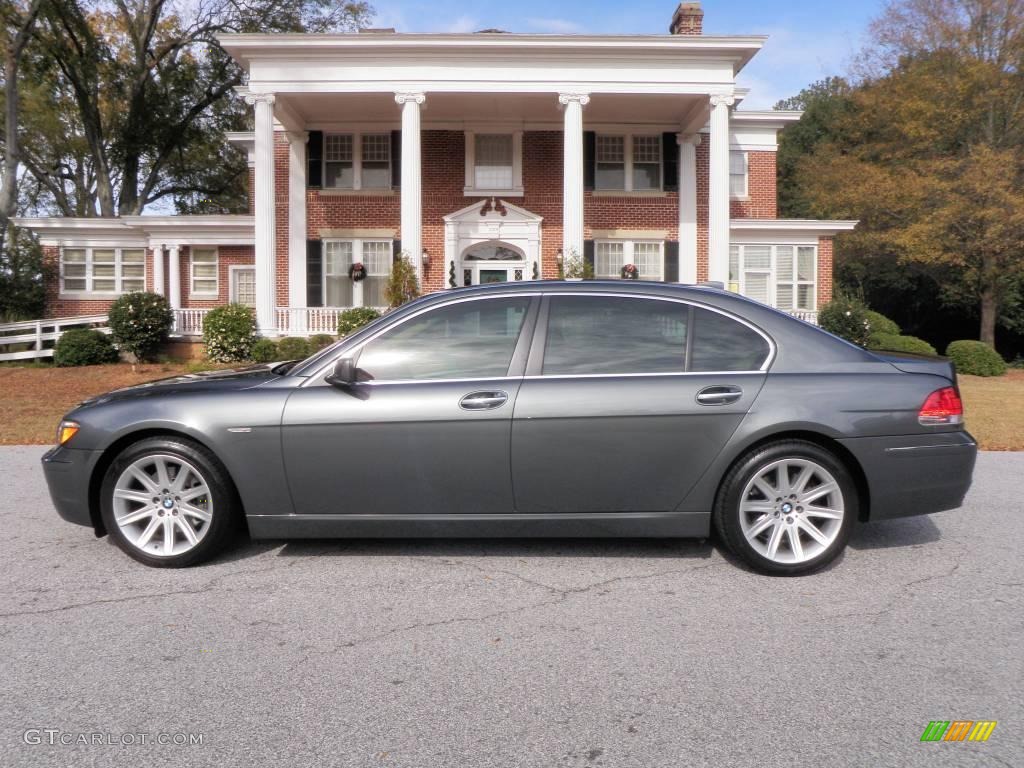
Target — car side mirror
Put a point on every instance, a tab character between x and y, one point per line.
344	373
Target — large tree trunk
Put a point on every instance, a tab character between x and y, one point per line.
989	315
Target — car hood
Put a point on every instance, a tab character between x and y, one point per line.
230	380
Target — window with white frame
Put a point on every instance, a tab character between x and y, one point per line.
784	276
738	167
494	162
628	163
102	270
340	290
203	265
610	256
357	161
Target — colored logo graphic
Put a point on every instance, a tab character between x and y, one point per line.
958	730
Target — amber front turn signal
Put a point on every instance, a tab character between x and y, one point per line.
66	431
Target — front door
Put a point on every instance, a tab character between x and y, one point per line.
427	427
629	403
492	262
493	276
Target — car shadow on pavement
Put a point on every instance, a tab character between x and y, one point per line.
902	532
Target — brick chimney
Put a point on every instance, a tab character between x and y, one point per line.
687	20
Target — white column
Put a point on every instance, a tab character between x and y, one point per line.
297	223
158	269
688	207
266	284
718	190
174	276
412	181
572	173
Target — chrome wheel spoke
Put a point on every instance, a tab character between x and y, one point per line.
758	507
828	514
192	493
143	478
802	479
188	530
168	535
822	490
196	512
178	483
129	495
813	531
760	526
161	472
140	514
768	491
774	540
794	543
147	534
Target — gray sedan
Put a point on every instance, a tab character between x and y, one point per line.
615	408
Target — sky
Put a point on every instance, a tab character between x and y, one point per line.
807	40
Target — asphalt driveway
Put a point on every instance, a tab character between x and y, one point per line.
497	653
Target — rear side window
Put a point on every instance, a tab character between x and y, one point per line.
608	335
723	344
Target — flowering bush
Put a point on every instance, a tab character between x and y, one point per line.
229	333
351	320
846	318
140	322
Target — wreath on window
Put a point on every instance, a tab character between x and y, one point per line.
357	272
630	272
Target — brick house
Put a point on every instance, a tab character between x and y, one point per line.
481	158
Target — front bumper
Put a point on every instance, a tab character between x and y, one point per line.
67	473
915	474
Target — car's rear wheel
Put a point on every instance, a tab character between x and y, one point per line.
168	502
786	508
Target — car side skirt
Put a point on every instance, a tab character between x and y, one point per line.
455	526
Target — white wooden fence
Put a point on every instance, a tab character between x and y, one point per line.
40	335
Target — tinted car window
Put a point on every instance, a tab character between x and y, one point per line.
722	344
601	334
468	340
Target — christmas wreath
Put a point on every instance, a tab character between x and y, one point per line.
357	272
630	272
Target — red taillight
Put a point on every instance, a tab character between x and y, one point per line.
943	406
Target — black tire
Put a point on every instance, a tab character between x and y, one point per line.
226	508
726	516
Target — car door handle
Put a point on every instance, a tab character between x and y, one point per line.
719	395
483	401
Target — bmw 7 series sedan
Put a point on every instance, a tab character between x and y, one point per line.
593	408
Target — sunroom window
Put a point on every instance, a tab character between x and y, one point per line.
784	276
102	270
340	290
203	272
610	256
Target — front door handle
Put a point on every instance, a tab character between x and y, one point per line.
483	401
719	395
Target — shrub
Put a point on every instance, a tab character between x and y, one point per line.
351	320
229	333
894	342
403	285
881	324
846	318
975	358
264	351
140	322
320	340
84	346
293	348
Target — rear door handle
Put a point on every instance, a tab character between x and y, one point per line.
483	401
719	395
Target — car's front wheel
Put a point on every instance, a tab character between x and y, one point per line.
168	502
786	508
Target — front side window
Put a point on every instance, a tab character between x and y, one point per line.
611	162
607	335
723	344
467	340
204	272
102	270
493	166
610	256
646	162
783	276
357	161
340	290
737	174
627	163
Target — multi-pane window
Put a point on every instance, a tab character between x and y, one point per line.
493	161
784	276
738	174
357	161
340	290
610	256
244	290
203	272
627	163
102	270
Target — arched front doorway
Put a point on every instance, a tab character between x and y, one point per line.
492	261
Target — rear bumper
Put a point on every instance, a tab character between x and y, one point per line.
915	474
67	474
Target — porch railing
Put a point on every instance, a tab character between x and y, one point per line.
188	322
33	339
807	315
306	321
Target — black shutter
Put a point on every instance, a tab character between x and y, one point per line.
589	159
396	251
314	274
315	160
671	261
669	162
396	159
588	257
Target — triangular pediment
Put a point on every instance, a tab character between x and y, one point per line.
493	212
